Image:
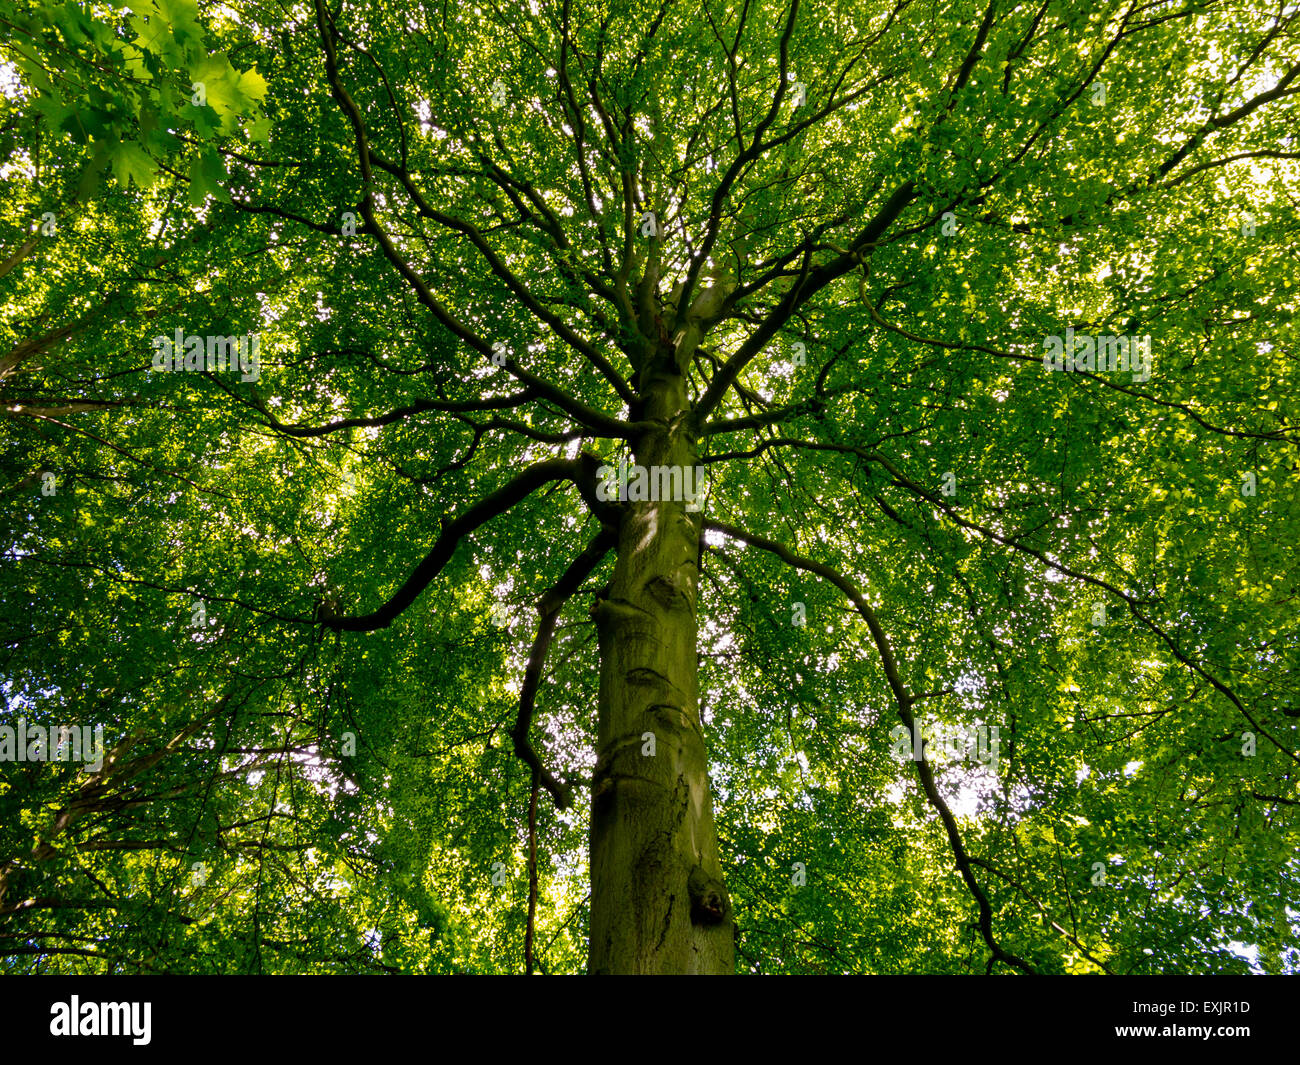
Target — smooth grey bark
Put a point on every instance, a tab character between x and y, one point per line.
658	904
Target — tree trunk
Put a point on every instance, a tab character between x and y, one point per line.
658	904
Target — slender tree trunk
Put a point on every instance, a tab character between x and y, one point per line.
657	900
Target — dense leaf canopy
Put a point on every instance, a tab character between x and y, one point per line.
449	227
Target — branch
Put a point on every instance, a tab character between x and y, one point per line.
600	423
498	267
418	407
581	471
803	289
904	703
1132	602
549	607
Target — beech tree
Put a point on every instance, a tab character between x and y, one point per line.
650	487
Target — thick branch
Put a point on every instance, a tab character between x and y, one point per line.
549	607
581	471
803	289
397	414
904	703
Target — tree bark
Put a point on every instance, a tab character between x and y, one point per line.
658	904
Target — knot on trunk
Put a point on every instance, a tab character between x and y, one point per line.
671	593
710	904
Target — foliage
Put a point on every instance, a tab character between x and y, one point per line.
281	797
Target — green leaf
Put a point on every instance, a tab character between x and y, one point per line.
207	172
130	161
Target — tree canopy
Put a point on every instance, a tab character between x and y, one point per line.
335	604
